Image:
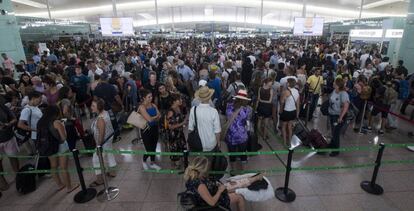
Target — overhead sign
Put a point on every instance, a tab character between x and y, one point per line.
372	33
308	26
42	47
394	33
117	26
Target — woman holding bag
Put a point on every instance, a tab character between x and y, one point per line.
236	136
149	112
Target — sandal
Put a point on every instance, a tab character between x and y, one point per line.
73	188
95	184
60	188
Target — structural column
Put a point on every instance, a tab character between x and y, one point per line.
10	42
406	52
304	8
261	13
156	11
48	9
114	10
360	11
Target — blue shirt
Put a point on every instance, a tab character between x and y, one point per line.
52	58
185	72
216	85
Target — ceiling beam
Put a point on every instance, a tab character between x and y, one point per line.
379	3
31	3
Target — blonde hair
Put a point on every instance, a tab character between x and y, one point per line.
197	168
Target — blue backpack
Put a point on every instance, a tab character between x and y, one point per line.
404	90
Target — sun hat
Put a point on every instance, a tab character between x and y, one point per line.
242	94
204	93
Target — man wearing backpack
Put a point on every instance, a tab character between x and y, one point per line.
8	143
381	105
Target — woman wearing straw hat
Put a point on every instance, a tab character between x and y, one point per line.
236	136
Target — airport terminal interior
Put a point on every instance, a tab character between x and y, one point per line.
244	105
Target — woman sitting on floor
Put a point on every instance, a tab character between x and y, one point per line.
208	191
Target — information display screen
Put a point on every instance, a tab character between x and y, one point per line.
117	27
308	26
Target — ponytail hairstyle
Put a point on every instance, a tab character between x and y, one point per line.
196	169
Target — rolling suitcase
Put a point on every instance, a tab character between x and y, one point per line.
301	132
317	140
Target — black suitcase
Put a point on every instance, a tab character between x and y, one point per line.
26	183
43	164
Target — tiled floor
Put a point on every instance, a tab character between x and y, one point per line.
316	190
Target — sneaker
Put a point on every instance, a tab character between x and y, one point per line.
380	132
368	129
155	166
145	166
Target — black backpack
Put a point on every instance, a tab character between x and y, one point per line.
47	143
26	183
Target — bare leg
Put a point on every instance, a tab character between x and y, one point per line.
55	175
284	132
238	201
289	132
14	164
3	183
63	164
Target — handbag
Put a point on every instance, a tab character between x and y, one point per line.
137	120
325	108
22	136
218	163
228	123
194	141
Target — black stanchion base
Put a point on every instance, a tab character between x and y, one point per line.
85	196
288	197
372	188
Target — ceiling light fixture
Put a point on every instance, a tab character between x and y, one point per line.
379	3
31	3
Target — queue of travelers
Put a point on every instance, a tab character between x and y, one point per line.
179	86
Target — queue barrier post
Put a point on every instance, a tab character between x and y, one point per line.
363	116
371	186
86	194
108	193
286	194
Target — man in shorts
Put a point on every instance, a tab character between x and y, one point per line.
8	143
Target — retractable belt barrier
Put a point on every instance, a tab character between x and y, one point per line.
392	113
283	193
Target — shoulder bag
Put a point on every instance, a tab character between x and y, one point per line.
137	120
194	141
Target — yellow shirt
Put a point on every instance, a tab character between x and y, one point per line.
314	85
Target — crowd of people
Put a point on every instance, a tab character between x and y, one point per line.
260	87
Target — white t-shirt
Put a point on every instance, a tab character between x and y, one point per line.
34	114
290	101
367	73
252	59
208	124
226	75
283	81
363	59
